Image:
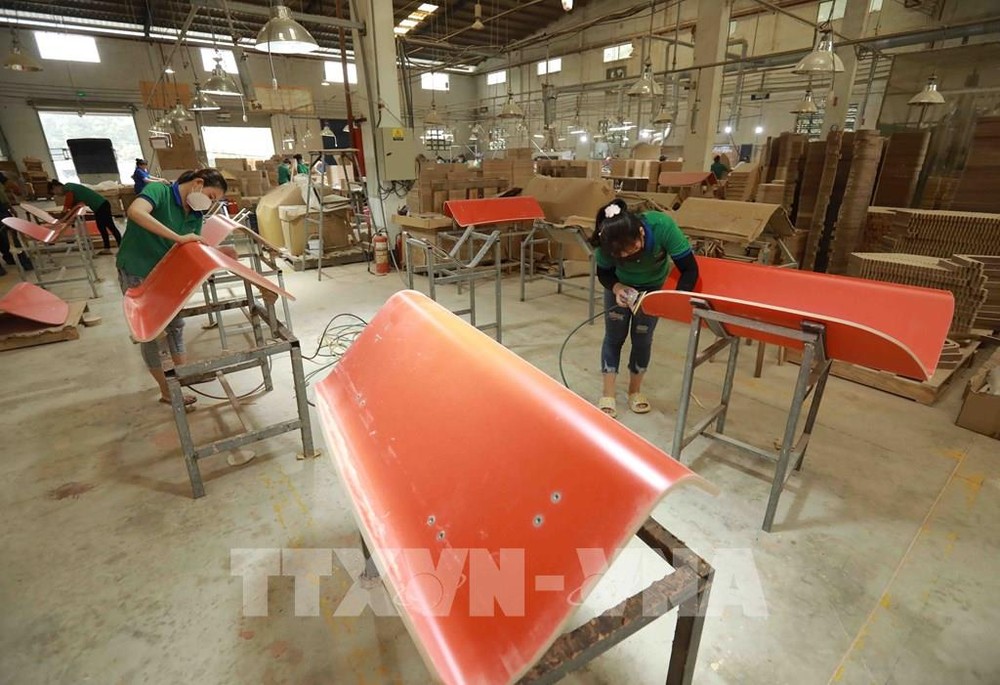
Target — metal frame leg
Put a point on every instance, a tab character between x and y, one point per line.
298	376
687	635
791	426
499	292
258	337
727	385
817	397
184	433
687	381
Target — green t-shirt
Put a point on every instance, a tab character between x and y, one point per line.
719	169
83	194
303	168
663	240
141	250
284	174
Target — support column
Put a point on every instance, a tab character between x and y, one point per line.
378	79
839	98
711	35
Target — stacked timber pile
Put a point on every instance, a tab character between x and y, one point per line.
792	148
989	314
812	173
965	278
901	165
977	190
939	192
771	193
742	182
941	234
878	230
849	228
824	193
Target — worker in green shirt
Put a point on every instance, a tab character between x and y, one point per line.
718	168
73	194
300	166
160	217
633	254
284	172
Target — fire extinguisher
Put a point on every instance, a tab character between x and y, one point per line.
381	243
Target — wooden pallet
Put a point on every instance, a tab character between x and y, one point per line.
926	392
16	332
349	255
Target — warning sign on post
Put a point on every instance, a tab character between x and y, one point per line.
398	134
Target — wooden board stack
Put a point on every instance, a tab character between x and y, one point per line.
848	231
988	317
965	278
790	158
939	192
901	165
771	193
831	164
939	233
878	230
977	190
742	182
812	174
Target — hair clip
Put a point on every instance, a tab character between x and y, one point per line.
612	210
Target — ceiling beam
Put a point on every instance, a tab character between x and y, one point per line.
260	11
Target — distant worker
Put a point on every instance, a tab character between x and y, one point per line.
73	194
141	176
300	166
634	253
7	198
284	171
718	168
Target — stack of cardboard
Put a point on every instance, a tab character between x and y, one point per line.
939	192
791	151
828	205
989	314
569	168
878	230
977	190
942	234
771	193
522	166
35	177
901	166
981	406
812	174
964	278
296	231
742	182
824	191
849	229
179	157
729	221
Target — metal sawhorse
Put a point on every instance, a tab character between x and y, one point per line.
811	380
543	233
49	246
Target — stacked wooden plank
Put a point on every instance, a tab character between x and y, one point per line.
790	160
35	176
988	317
943	233
812	173
939	192
771	193
824	193
742	182
977	190
878	230
849	229
901	166
965	278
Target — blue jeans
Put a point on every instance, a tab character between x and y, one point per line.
619	322
175	330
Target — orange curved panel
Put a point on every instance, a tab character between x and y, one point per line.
884	326
28	301
43	234
493	210
499	467
151	305
38	213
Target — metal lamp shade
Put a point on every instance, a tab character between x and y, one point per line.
282	35
822	60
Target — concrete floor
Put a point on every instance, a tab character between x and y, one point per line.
883	566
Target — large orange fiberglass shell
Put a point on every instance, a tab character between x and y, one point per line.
151	305
884	326
43	233
458	451
493	210
28	301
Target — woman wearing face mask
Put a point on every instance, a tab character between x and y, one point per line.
160	217
633	254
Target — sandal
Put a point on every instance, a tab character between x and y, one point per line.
608	406
638	403
188	400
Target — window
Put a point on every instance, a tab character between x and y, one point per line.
617	52
237	141
732	27
208	56
67	47
496	78
875	6
434	81
60	127
553	66
334	72
825	7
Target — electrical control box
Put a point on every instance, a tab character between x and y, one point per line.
399	154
